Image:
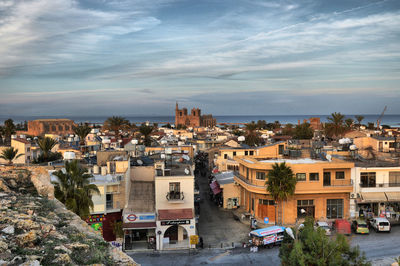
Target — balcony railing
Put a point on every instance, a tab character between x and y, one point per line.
339	183
175	196
380	185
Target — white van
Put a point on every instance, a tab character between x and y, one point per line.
380	224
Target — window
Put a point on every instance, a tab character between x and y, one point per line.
66	127
266	202
234	153
334	208
260	175
28	149
305	208
247	173
251	152
53	128
340	175
109	201
60	128
225	156
368	179
246	152
281	148
314	176
301	177
394	179
392	145
252	204
175	187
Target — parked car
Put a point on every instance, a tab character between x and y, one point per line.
342	226
360	227
325	226
380	224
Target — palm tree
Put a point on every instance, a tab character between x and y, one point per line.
349	122
281	184
116	123
45	145
359	118
73	188
82	131
146	130
252	138
9	129
336	127
10	154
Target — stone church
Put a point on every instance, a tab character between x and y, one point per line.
194	119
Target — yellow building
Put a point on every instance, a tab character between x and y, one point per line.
323	188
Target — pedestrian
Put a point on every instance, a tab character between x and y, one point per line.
201	242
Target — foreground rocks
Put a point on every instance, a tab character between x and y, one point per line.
35	230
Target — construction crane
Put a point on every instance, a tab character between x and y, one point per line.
378	122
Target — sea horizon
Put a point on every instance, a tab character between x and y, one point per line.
389	119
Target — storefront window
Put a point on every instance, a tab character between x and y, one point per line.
334	208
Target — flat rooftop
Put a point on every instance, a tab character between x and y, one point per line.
292	161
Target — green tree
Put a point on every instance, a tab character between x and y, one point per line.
252	137
10	154
336	127
82	131
312	247
288	130
73	188
116	123
261	124
45	145
9	129
359	118
146	130
168	125
303	131
281	184
349	123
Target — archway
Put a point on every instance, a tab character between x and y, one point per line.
177	235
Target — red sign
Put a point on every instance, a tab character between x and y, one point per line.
131	217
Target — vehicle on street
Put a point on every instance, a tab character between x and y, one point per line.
360	226
268	237
342	226
325	226
380	224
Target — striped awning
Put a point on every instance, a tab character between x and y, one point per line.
393	196
373	197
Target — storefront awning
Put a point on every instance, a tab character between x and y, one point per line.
215	187
393	196
373	197
127	226
175	214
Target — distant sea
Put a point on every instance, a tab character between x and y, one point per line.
390	119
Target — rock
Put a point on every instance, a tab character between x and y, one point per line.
47	228
79	246
3	194
9	230
3	246
63	248
26	239
12	183
3	263
29	212
3	186
31	263
27	225
63	259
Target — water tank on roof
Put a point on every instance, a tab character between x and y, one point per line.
76	138
241	138
106	141
353	147
22	136
14	136
69	155
181	143
70	139
96	169
134	141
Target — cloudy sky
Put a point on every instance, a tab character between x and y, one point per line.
135	57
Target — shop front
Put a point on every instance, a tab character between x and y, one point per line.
139	231
174	228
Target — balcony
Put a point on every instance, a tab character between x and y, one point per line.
175	196
339	183
364	185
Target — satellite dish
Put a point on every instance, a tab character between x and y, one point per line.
187	158
187	171
140	162
289	231
241	138
162	156
329	157
134	141
353	147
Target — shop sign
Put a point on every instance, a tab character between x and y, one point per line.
194	239
139	217
176	222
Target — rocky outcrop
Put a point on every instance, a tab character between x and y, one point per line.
35	230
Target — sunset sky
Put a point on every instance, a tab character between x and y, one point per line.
138	57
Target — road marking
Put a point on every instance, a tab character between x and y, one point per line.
220	256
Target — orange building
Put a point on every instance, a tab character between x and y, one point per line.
323	189
49	126
194	119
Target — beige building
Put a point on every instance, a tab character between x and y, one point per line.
174	187
378	143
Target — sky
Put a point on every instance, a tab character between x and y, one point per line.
138	57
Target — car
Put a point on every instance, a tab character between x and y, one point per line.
360	226
325	226
381	224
